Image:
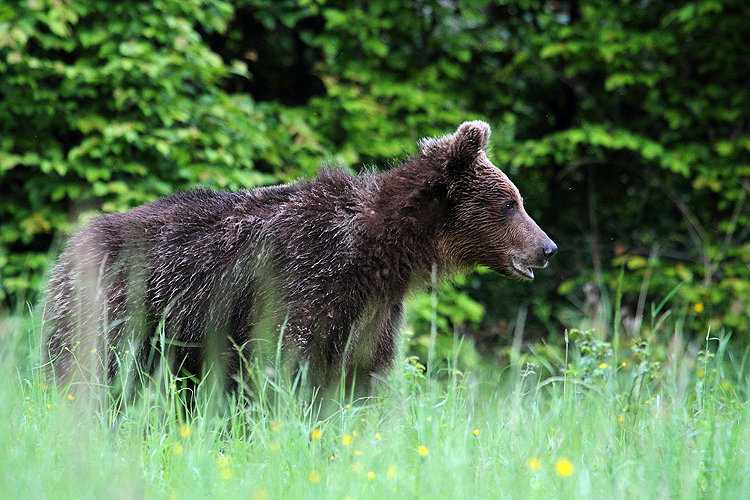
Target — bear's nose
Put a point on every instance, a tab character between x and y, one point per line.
549	249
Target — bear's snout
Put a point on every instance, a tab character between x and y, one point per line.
549	249
532	251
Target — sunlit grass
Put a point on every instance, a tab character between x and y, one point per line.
609	432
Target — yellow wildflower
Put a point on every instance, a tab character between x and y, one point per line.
371	475
185	431
533	464
316	434
564	467
223	461
392	472
276	426
314	476
423	451
347	439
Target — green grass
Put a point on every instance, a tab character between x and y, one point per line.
598	429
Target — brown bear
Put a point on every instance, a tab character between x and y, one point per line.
309	275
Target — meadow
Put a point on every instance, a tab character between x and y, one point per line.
600	423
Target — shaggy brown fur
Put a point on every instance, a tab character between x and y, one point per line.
327	261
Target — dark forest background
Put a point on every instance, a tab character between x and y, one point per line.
624	124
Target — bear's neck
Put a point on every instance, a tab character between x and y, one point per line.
408	220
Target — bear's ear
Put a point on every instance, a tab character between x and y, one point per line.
460	150
469	140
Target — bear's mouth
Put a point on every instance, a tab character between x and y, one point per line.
525	270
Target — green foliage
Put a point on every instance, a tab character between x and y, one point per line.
622	123
106	106
450	312
643	166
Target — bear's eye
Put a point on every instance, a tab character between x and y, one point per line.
510	205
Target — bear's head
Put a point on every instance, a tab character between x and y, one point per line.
488	224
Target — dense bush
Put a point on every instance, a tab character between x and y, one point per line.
624	124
